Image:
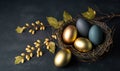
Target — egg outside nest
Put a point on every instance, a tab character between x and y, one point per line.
62	58
97	52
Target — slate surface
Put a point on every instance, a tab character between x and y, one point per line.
14	13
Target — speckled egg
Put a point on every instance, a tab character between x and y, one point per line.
83	27
96	35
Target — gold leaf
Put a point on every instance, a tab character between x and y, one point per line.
90	14
19	29
60	23
66	16
18	59
52	47
53	22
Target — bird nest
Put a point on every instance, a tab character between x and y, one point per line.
95	53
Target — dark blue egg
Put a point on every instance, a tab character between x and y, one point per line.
96	35
83	27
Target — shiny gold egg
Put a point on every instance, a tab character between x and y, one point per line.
62	58
69	34
83	44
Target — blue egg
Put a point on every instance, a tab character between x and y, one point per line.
83	27
96	35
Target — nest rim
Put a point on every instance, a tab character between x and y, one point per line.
95	53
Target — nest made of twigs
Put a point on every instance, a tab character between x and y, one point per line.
95	53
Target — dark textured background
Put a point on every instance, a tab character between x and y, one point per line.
17	13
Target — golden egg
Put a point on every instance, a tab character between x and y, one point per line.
83	44
62	58
69	34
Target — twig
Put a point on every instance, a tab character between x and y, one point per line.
107	17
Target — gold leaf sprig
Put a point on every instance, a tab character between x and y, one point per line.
90	14
29	52
55	23
26	56
50	45
33	27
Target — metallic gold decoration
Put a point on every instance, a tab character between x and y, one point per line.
83	44
27	57
62	58
22	54
32	28
69	34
